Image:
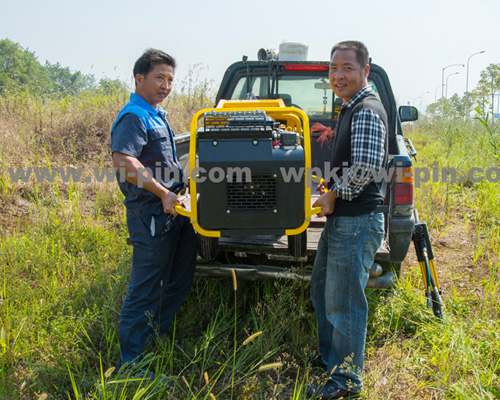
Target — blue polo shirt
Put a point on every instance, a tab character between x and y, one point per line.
142	132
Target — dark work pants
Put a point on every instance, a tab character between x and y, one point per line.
163	265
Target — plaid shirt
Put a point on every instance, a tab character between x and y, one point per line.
367	150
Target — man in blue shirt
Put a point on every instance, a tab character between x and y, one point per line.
150	177
354	229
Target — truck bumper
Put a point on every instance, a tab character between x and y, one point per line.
265	272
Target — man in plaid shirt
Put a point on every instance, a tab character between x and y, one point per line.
354	229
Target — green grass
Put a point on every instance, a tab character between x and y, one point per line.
64	267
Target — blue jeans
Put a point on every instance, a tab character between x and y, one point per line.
163	264
346	251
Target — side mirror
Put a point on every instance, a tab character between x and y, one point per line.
408	113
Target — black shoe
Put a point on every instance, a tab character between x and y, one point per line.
315	361
330	391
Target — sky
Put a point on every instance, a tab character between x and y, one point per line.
413	41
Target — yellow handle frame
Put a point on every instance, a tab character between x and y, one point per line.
276	109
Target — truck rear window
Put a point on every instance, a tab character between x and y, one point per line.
312	94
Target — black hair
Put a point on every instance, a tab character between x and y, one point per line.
360	49
151	57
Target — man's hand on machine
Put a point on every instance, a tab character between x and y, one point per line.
322	187
327	203
170	200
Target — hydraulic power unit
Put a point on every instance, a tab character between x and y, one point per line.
248	168
251	178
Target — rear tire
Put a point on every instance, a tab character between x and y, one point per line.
207	247
297	244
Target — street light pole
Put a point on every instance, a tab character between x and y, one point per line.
435	92
467	83
442	83
422	95
454	73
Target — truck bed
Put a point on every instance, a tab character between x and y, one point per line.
275	247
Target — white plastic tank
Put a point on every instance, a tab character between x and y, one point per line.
293	52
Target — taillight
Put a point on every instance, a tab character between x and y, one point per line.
403	186
403	193
303	67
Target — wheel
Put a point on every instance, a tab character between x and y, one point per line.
296	106
297	244
207	247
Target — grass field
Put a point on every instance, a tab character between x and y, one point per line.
64	267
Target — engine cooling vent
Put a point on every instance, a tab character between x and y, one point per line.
257	196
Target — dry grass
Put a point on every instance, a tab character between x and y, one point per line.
73	131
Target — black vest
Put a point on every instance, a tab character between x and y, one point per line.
373	195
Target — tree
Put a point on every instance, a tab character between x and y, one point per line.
489	84
457	105
110	86
20	70
480	96
66	82
453	107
